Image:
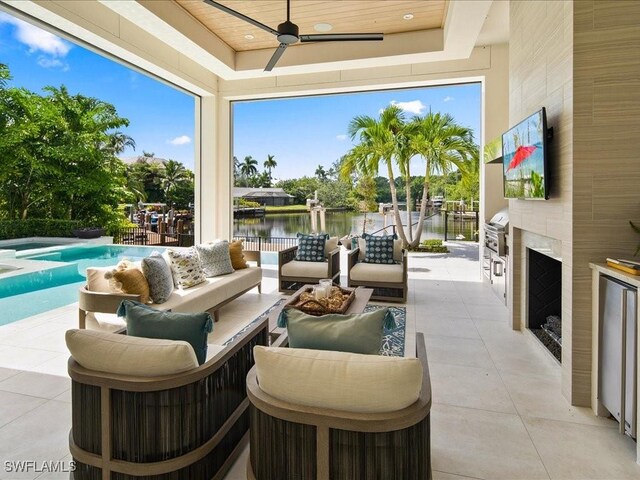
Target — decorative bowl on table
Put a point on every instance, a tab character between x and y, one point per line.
338	301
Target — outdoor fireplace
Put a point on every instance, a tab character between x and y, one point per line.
544	290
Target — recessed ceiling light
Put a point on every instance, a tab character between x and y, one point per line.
249	36
323	27
408	16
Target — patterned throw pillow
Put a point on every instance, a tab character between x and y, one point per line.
214	258
185	266
311	247
159	276
379	249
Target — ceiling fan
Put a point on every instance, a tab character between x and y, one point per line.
288	33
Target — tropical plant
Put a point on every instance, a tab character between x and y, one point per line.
443	145
269	164
174	173
321	173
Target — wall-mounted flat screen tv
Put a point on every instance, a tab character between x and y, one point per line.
525	158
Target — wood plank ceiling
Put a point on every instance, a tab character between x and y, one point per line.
346	16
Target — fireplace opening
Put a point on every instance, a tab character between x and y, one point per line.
545	300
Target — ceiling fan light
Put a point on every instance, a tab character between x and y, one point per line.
323	27
408	16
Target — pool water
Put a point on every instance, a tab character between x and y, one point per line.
29	245
28	294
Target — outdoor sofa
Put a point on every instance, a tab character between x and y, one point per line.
97	309
154	413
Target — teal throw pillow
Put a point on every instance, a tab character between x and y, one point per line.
311	247
379	249
147	322
358	333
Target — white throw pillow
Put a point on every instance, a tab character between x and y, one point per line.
215	258
330	245
337	380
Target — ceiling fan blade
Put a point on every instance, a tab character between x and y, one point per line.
341	37
276	56
239	15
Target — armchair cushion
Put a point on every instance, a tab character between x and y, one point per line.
379	249
295	268
337	380
359	333
311	248
372	272
397	249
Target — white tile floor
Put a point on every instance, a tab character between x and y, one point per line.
497	408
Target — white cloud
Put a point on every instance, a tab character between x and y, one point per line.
50	46
414	106
181	140
447	99
341	137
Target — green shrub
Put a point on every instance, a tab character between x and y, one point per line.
37	227
434	242
242	202
432	246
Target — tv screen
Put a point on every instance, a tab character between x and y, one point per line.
524	158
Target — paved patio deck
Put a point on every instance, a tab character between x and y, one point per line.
497	408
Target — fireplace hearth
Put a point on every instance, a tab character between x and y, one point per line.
545	300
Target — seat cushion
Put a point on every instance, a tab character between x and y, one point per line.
337	380
295	268
125	355
147	322
357	333
363	272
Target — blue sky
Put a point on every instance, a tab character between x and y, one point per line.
305	132
301	133
161	118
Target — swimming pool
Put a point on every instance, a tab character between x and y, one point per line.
30	293
29	245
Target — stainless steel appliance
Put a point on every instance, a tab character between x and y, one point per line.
495	260
495	232
618	349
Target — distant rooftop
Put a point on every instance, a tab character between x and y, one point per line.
245	192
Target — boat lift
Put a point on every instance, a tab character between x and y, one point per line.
317	212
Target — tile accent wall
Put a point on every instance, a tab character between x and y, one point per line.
581	61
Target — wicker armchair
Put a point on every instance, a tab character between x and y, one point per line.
389	282
188	425
306	443
292	274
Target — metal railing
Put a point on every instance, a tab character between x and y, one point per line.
267	244
144	236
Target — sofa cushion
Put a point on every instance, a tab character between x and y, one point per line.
125	355
337	380
130	280
295	268
214	258
357	333
237	257
311	248
158	274
144	321
372	272
185	267
397	249
96	281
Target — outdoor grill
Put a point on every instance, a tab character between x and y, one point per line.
495	232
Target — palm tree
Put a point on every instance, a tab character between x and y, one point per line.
378	144
174	173
118	142
269	164
248	167
321	173
443	144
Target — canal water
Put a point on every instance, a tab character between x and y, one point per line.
343	223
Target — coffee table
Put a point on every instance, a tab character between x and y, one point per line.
363	295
